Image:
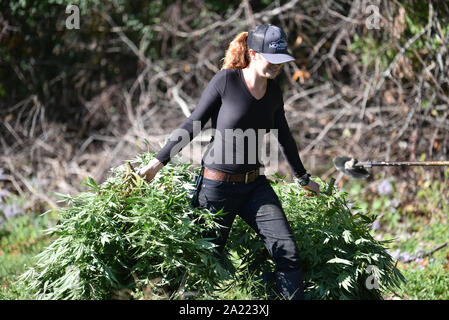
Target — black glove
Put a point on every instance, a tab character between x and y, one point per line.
304	180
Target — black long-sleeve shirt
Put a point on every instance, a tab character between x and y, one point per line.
233	110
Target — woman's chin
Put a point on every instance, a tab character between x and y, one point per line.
271	74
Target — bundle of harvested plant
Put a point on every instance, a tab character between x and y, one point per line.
127	234
340	257
145	240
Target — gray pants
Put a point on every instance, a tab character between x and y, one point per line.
258	205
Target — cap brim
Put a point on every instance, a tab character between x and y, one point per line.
277	58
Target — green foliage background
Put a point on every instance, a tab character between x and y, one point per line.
58	63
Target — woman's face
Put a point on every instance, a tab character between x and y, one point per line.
263	67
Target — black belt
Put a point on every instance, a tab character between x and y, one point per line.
246	177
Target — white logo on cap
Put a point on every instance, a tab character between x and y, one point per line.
280	44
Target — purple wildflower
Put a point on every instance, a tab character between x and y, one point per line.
11	210
385	187
376	225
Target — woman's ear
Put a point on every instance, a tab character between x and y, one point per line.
252	54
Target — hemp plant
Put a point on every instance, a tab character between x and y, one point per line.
127	235
340	257
127	238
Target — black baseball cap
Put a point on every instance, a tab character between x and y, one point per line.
270	41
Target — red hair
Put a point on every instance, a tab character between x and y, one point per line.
237	55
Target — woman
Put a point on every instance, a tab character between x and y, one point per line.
244	96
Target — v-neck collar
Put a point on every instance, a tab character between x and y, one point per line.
242	78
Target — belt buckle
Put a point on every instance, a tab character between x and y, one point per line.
247	174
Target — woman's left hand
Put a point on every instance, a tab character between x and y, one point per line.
312	186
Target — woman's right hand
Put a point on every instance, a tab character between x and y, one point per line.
150	170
